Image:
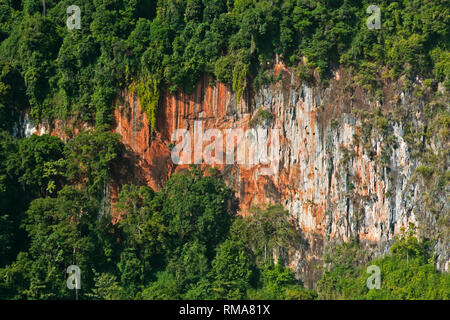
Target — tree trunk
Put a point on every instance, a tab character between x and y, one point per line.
265	252
43	7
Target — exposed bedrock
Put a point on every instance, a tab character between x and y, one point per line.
333	184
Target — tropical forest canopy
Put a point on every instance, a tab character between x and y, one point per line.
158	45
183	241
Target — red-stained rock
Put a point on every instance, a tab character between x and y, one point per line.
333	190
312	180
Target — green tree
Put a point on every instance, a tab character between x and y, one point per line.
231	270
342	265
62	232
279	283
131	273
89	156
268	232
165	288
106	287
408	273
142	227
195	209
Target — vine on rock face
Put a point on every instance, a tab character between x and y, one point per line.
148	92
239	79
184	241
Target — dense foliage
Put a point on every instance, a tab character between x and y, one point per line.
408	273
184	240
50	212
180	242
152	45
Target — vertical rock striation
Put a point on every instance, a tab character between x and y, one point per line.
337	179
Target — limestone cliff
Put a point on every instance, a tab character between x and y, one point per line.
336	178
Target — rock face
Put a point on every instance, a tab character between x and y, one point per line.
335	185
